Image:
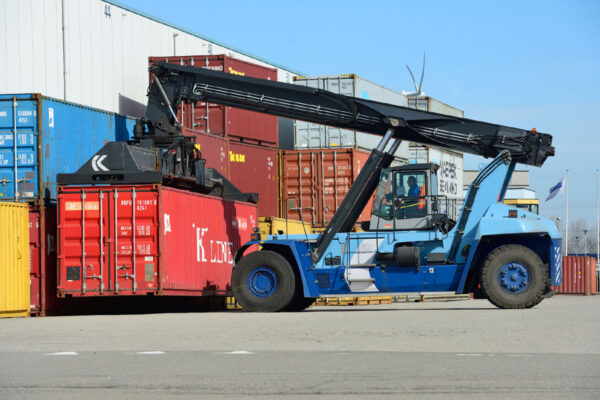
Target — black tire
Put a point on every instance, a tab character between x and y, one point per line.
268	264
300	304
524	263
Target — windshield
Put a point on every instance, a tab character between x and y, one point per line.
407	186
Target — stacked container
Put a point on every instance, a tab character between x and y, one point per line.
52	136
433	105
230	122
240	144
308	135
147	239
314	183
450	175
579	275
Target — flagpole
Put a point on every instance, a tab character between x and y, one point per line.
597	219
567	216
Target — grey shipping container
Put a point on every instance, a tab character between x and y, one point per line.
313	136
433	105
53	136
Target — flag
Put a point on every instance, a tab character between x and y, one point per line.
559	188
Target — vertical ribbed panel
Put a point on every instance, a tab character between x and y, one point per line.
579	275
14	260
200	234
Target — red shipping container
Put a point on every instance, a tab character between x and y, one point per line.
579	275
254	169
42	247
214	149
319	180
217	119
148	239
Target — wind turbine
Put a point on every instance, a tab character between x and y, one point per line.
418	93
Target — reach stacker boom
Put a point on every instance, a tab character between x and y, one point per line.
508	255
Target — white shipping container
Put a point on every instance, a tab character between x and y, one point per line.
432	105
314	136
450	174
93	52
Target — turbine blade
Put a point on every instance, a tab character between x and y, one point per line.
422	75
413	79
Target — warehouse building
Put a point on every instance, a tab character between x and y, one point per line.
94	52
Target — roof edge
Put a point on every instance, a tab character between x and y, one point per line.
188	31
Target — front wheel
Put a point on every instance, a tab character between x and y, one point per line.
263	281
513	276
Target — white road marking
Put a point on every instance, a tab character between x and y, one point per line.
238	352
469	354
520	355
62	353
150	352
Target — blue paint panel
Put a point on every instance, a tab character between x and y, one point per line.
27	140
555	264
70	135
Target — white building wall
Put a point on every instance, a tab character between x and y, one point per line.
106	47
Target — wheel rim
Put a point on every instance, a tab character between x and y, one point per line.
513	277
262	282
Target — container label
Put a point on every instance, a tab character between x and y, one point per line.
76	206
218	251
234	72
235	157
51	117
167	224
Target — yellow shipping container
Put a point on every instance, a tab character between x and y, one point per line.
14	260
281	226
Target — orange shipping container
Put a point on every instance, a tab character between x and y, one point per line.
579	275
319	180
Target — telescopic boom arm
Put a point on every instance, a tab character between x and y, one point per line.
175	84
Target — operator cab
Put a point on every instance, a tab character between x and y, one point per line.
407	199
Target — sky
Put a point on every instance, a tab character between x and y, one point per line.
518	63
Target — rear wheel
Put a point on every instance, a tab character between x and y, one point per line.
263	281
513	276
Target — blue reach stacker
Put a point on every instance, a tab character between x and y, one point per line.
508	255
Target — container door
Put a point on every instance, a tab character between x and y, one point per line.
82	251
34	254
18	117
133	257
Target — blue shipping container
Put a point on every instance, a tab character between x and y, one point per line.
53	136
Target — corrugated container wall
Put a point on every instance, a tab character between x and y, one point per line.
96	55
313	136
56	135
14	260
254	169
450	174
433	105
316	181
579	275
145	239
214	149
217	119
42	249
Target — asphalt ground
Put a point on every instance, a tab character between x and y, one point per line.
467	349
